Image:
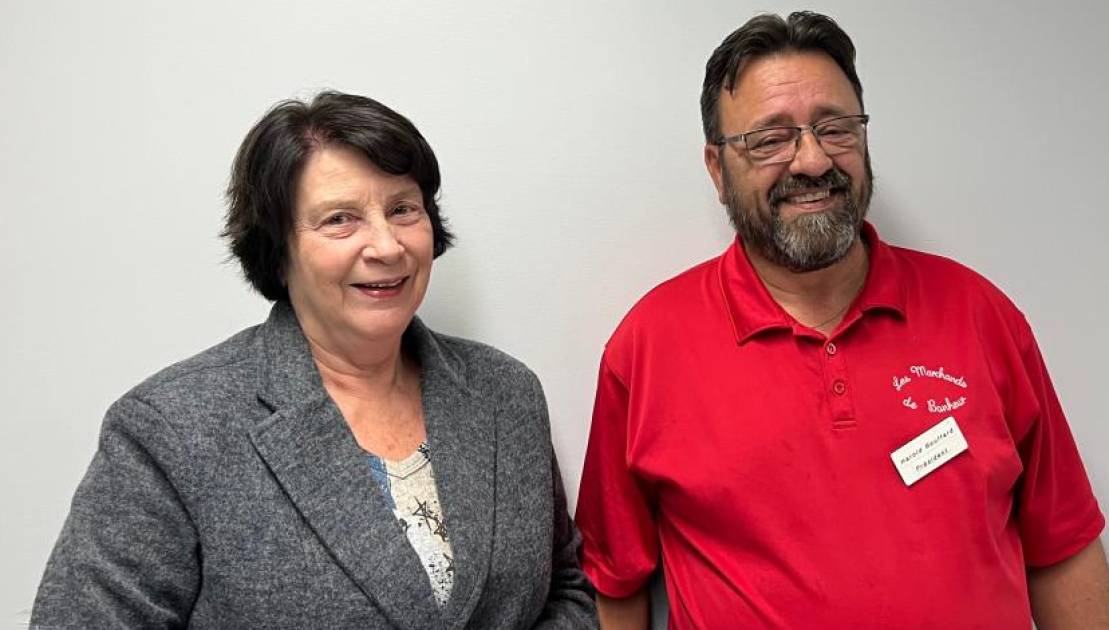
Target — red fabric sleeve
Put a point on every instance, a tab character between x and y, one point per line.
1057	513
615	515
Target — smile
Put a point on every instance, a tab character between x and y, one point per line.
381	288
388	284
810	200
813	196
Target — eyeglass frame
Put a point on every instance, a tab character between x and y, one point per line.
733	140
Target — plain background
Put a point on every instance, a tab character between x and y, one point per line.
570	144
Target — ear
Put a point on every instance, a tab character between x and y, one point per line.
713	162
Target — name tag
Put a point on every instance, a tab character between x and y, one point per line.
929	450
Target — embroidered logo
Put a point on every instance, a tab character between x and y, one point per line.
901	384
947	404
924	372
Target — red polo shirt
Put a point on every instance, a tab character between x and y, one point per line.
753	454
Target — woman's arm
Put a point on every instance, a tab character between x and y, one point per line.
570	596
570	600
128	554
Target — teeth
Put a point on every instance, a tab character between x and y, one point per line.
381	285
815	196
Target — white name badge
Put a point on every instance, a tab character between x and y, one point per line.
929	450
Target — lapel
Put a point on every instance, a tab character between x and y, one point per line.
461	429
309	448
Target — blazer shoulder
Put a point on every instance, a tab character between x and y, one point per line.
228	365
486	368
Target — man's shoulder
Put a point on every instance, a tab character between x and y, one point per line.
931	262
676	304
683	292
940	281
938	272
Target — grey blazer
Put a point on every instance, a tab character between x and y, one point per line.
228	492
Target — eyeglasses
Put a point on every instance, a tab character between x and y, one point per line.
774	145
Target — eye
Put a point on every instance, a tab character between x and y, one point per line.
769	140
406	212
339	223
833	130
338	219
838	132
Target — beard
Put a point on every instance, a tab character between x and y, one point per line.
810	241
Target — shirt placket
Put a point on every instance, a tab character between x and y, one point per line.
839	388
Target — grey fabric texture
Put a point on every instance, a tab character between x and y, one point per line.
228	492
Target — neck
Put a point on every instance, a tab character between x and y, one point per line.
818	299
369	371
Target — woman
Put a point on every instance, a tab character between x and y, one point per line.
340	465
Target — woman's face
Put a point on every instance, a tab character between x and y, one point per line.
360	250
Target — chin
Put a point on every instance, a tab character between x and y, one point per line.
382	325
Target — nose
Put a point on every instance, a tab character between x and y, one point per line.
810	158
380	243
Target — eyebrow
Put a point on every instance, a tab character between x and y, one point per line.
350	202
782	120
317	210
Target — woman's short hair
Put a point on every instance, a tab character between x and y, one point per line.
262	192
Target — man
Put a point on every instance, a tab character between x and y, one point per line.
817	429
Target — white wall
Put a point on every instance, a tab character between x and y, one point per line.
569	139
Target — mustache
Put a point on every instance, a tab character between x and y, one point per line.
834	179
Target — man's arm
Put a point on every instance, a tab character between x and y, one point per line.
626	613
1072	594
616	512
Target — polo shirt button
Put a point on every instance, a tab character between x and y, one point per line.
838	387
830	348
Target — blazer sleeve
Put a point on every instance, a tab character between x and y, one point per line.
570	602
128	554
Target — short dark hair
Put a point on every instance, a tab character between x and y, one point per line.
262	192
769	34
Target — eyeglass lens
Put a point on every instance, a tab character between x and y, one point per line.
779	144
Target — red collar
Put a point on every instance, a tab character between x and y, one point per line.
753	311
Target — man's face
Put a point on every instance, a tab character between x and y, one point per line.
804	214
